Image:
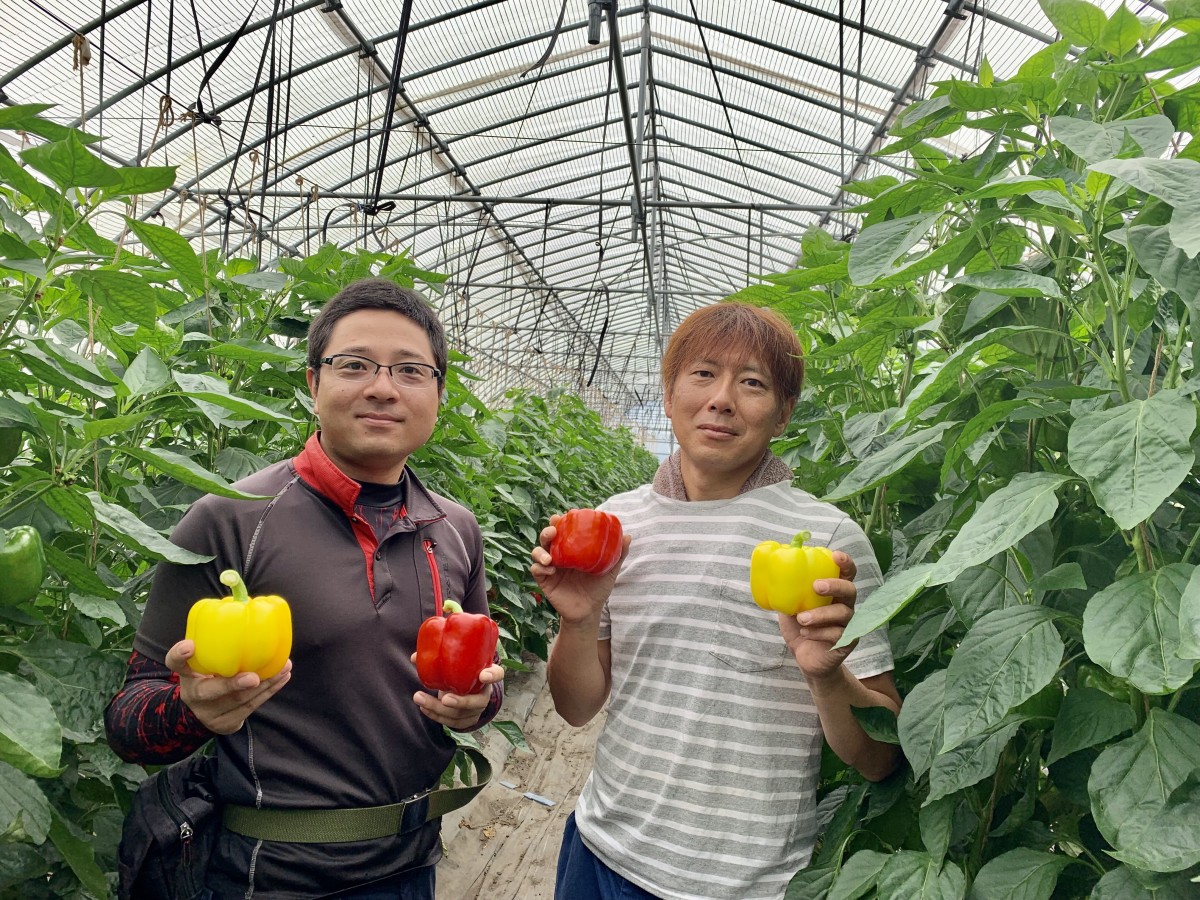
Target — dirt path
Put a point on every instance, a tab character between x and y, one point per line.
506	846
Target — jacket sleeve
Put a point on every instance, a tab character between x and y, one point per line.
147	722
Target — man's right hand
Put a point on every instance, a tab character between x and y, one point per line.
574	594
222	704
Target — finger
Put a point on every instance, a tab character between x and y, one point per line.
541	556
548	533
491	675
839	590
846	564
178	656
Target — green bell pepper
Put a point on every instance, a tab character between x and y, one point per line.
22	564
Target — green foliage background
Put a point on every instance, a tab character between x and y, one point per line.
134	380
1002	387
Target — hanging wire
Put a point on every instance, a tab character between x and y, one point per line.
389	113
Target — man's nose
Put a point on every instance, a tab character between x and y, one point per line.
721	398
382	384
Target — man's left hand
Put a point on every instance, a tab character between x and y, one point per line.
460	712
811	634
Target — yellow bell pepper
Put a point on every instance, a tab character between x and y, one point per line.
782	575
240	633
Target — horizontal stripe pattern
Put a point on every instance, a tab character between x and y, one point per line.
703	786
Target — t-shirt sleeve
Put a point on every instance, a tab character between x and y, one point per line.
873	655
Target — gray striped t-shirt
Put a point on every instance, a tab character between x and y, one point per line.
706	770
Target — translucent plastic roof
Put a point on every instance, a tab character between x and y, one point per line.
580	209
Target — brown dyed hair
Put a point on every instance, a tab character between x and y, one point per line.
745	331
376	293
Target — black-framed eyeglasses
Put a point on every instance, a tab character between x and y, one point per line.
349	367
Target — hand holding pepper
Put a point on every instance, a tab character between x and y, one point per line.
811	634
454	657
221	703
576	594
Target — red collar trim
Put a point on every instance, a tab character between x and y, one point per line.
319	472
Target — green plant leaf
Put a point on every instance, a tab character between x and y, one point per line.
1012	283
142	180
887	600
76	572
935	386
1067	577
919	725
937	825
1145	796
1167	263
1122	883
1016	186
78	853
1181	52
252	351
1134	456
140	536
146	374
186	470
24	809
1020	874
1189	618
1095	142
875	251
1122	33
70	164
100	428
1003	519
878	722
205	389
911	875
1175	181
1077	21
118	296
879	466
30	735
970	762
170	247
1007	657
858	875
1086	718
1131	628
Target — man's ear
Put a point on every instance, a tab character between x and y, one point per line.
310	375
667	404
785	417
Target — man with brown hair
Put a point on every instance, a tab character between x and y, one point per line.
705	775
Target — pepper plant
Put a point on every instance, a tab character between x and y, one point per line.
1002	388
137	374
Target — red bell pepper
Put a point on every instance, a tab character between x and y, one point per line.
588	540
453	649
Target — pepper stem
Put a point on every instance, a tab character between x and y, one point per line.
451	606
799	539
232	579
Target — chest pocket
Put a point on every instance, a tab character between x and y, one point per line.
750	637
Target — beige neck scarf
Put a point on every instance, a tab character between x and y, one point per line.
668	480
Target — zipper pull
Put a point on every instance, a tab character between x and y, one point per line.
185	838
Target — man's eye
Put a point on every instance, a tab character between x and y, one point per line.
755	383
410	370
353	365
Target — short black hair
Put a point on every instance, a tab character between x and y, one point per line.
376	293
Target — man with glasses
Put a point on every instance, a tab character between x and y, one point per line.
363	553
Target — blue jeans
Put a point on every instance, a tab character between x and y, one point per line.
582	876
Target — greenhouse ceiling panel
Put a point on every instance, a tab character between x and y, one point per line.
585	173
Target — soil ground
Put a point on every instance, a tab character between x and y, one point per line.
503	845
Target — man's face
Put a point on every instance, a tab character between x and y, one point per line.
724	413
369	429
